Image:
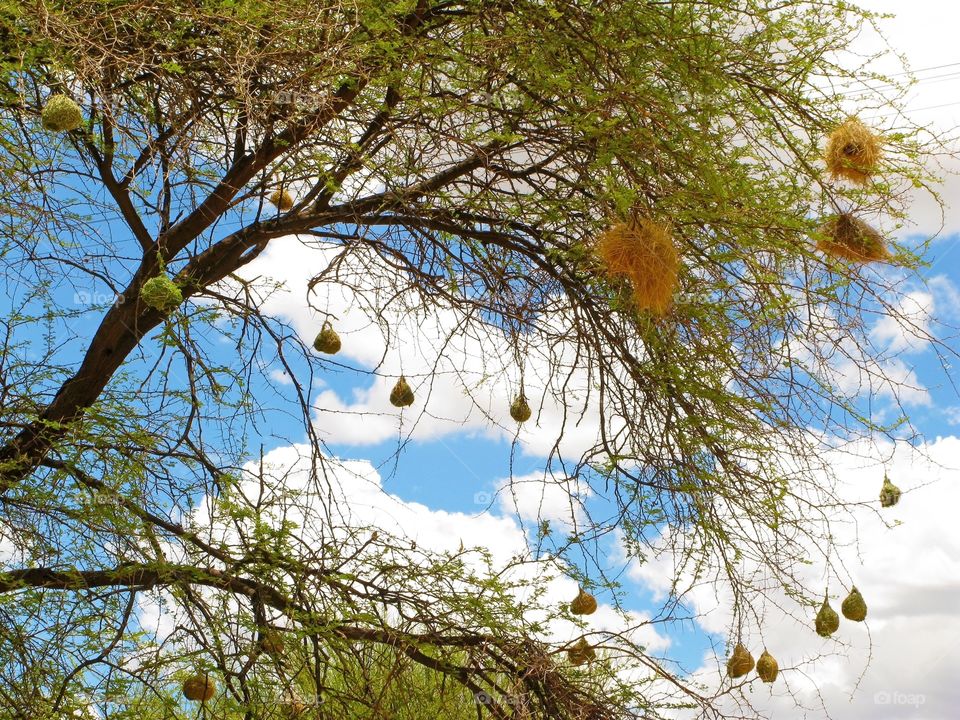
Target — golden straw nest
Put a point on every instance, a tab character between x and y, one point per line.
850	238
853	151
642	252
282	199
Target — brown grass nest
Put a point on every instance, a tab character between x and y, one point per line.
850	238
583	604
402	394
767	667
642	252
282	199
740	662
853	151
199	687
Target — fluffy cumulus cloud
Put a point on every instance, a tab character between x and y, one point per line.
900	663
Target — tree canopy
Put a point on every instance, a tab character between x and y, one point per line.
457	164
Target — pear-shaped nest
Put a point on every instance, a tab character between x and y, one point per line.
61	114
850	238
827	621
853	151
740	662
642	252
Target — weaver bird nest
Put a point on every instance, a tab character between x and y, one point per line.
740	662
199	687
850	238
161	293
61	114
327	340
282	199
889	493
853	152
402	394
767	668
520	409
854	607
583	604
827	620
581	652
642	252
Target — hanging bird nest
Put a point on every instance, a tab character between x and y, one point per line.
520	409
642	252
889	493
850	238
740	662
402	393
854	607
767	668
282	199
199	687
161	293
327	340
827	620
61	114
581	652
853	152
583	604
272	644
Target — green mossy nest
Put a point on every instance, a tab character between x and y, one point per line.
854	607
740	662
889	493
583	604
520	409
61	114
827	620
402	394
581	652
767	668
199	688
327	340
161	293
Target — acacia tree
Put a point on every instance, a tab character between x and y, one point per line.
454	155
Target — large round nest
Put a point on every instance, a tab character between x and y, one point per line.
642	251
853	151
850	238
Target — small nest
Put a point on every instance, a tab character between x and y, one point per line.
61	114
740	662
827	620
889	493
402	394
767	668
520	409
282	199
581	652
161	293
642	252
853	152
854	607
327	340
272	644
199	688
583	604
847	237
